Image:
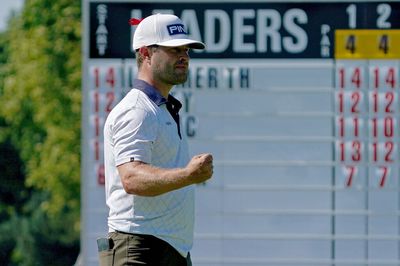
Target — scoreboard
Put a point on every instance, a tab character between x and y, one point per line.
299	103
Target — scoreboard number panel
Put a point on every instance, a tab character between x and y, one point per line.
104	87
301	112
372	44
367	69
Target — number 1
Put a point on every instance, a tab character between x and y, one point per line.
96	78
352	12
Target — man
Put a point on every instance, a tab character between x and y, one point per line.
149	176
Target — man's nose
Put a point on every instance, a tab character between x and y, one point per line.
184	57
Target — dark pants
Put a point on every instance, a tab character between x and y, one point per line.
134	249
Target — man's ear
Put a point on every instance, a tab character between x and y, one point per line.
144	51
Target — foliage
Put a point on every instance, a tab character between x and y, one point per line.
40	96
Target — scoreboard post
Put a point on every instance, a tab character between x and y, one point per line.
299	103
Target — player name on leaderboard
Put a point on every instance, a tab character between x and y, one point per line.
367	128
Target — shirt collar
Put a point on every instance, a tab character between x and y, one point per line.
150	91
155	95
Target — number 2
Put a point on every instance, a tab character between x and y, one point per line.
384	11
110	101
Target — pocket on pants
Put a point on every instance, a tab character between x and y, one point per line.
106	257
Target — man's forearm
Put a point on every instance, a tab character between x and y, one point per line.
146	180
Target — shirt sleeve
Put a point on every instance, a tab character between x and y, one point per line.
134	133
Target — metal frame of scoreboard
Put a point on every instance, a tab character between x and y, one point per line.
298	101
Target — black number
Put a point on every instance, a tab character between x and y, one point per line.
384	43
351	44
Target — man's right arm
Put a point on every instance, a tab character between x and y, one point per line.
146	180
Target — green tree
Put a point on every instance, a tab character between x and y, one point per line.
40	95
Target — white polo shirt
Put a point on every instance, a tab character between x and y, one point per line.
140	128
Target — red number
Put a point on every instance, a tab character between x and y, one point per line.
375	96
356	78
391	78
388	127
389	149
390	97
341	126
96	149
374	127
356	151
110	78
341	78
100	174
97	126
383	177
110	101
376	72
356	156
356	99
351	172
341	102
375	151
96	78
355	121
342	151
96	102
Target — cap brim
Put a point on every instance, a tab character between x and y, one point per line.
180	42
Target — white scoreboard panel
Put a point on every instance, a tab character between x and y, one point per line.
300	105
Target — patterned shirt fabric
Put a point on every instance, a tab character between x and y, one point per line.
141	128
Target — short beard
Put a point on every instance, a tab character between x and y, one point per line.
173	78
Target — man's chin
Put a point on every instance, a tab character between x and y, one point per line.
180	79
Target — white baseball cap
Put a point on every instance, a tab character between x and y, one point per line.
163	30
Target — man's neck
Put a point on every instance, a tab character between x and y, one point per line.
162	88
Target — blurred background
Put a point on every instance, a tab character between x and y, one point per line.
305	137
40	92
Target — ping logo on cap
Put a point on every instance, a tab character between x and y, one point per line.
176	29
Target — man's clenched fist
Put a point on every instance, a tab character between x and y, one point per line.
200	167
